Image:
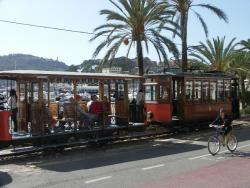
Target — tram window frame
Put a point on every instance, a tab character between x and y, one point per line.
199	94
220	90
162	94
227	89
191	93
213	100
21	92
151	95
205	90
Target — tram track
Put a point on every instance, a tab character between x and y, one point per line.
17	152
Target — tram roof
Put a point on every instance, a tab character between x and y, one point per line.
15	74
193	74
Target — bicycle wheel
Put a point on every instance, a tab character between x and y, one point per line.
213	145
232	143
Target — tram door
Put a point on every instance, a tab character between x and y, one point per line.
177	97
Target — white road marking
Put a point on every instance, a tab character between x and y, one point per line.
98	179
154	145
198	157
182	141
151	167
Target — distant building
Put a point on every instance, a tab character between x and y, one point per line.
112	70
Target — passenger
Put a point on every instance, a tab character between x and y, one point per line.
140	97
86	118
224	122
90	102
12	104
140	105
95	107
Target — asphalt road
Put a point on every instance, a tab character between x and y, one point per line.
178	162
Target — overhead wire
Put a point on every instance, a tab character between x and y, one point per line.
55	28
47	27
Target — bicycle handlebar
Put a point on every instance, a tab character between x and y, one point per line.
216	126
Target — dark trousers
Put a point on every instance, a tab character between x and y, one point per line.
14	118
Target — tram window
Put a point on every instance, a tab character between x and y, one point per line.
205	92
150	93
227	89
197	91
164	93
213	90
189	90
120	91
22	92
220	92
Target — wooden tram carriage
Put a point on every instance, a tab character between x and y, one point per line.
169	97
34	104
190	98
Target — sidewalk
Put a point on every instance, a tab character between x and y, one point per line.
244	120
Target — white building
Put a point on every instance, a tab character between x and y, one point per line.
112	70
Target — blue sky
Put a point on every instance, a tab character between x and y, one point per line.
83	15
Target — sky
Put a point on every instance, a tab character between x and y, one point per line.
83	15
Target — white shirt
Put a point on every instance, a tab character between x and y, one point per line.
89	104
12	102
139	98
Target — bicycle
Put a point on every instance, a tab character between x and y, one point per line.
216	141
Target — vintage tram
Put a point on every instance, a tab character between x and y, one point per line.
170	99
190	98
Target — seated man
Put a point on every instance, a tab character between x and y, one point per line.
86	118
96	108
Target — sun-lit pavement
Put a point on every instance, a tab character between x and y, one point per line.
232	173
178	162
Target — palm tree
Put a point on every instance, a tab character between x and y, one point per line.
240	65
182	9
136	21
245	45
215	53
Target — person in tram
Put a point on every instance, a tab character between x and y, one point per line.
224	121
140	105
12	104
86	118
96	108
90	102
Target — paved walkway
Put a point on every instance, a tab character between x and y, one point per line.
226	174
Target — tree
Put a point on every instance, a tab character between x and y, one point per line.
135	22
182	9
245	45
240	65
215	53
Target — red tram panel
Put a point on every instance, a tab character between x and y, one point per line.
161	112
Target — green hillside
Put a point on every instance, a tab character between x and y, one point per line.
29	62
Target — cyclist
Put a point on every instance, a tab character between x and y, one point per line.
224	122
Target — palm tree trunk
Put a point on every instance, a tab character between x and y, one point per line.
140	61
184	40
139	57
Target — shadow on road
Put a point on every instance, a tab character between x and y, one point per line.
5	178
105	158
